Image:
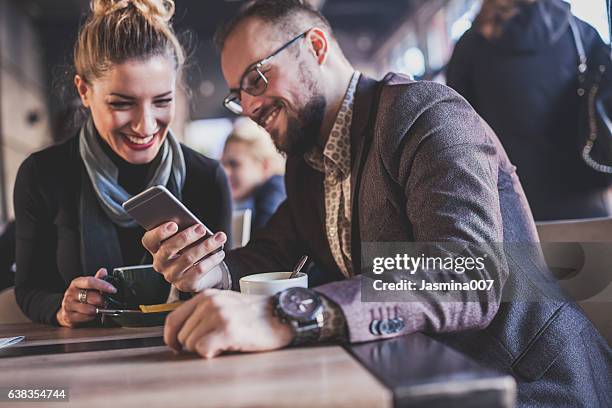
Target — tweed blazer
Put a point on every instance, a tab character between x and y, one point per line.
427	168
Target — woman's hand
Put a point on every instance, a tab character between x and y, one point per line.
74	310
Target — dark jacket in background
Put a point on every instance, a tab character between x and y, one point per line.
47	196
426	168
264	201
524	85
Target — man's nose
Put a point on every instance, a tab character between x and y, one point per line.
251	105
145	124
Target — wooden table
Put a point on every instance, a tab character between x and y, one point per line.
116	367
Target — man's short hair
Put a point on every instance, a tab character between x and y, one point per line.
282	13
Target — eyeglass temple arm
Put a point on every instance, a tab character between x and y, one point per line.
266	60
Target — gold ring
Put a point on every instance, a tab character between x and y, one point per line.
82	296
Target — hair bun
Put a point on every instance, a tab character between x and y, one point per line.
153	9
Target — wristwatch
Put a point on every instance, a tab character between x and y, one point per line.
302	309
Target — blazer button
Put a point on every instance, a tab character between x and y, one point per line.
374	327
390	326
400	324
393	326
386	327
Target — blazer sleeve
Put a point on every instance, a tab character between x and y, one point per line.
449	184
39	289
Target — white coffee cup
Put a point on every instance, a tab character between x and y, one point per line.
271	283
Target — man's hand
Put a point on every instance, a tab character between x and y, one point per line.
215	321
176	260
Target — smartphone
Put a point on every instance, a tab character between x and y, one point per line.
156	206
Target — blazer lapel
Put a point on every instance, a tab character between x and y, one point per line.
362	132
364	99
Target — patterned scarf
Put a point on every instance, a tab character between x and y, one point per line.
103	173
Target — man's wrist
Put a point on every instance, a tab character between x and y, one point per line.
282	327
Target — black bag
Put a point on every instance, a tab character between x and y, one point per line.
595	93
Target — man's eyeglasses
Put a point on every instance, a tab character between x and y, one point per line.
253	81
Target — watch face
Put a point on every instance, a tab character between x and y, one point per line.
299	303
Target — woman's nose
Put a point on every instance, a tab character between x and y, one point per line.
145	124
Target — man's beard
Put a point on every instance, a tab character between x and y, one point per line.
302	131
303	128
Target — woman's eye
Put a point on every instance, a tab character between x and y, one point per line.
163	102
119	105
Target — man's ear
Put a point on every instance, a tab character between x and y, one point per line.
84	90
319	44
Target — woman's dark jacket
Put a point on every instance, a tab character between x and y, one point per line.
47	193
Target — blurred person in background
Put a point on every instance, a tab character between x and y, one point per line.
517	66
255	171
71	227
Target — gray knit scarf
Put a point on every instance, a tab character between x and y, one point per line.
103	173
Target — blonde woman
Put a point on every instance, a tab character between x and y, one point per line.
255	171
71	228
518	67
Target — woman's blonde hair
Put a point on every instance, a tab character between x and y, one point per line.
494	14
120	30
259	144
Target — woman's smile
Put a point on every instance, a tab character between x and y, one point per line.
138	142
